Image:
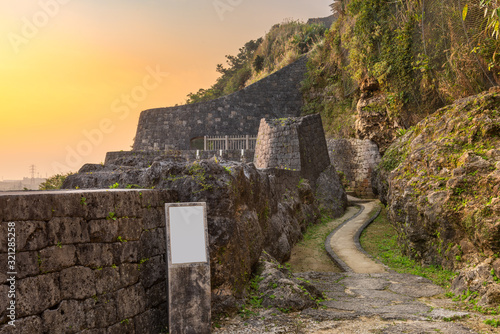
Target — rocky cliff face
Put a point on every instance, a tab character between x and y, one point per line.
441	183
373	119
249	210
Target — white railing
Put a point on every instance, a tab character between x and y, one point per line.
230	142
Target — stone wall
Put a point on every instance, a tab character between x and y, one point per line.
146	158
357	160
86	261
293	143
275	96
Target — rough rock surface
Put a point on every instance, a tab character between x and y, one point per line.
249	210
441	183
279	288
331	196
358	303
373	120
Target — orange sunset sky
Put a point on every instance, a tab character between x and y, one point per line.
68	69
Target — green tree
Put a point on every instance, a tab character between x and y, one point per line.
54	182
258	63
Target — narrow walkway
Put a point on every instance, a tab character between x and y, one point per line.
343	243
364	299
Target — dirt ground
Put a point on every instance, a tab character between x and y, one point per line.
310	253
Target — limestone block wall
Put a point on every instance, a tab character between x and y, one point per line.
146	158
293	143
277	95
356	159
86	261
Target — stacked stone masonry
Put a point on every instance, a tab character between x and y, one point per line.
293	143
275	96
146	158
87	261
356	159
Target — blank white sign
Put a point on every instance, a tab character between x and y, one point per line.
187	234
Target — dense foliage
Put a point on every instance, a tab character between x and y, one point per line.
424	54
54	182
282	45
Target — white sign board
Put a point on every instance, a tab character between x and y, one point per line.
187	234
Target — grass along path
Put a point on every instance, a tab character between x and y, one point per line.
380	241
310	253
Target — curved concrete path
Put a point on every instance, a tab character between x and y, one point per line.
343	243
364	299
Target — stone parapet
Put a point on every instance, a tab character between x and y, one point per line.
86	260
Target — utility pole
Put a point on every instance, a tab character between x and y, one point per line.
32	171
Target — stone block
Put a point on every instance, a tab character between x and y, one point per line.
129	274
103	230
36	294
77	283
130	229
127	204
3	236
124	326
152	271
69	204
26	264
67	230
100	311
95	255
151	321
67	318
31	235
28	325
153	218
156	295
126	252
151	199
57	258
25	207
94	331
130	301
107	280
4	303
152	243
99	204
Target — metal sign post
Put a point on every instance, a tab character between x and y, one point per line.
189	293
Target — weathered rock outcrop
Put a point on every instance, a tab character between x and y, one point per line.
249	210
374	120
441	183
279	288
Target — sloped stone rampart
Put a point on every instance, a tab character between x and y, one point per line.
277	95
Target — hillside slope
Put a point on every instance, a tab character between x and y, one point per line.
397	62
441	183
282	45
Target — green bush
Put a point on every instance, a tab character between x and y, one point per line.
54	182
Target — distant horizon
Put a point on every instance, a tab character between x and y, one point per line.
76	75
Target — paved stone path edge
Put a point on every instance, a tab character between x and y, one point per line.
357	236
333	256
